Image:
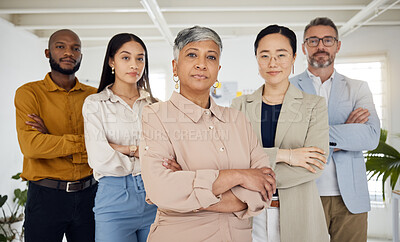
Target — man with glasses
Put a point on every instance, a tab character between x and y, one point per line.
353	127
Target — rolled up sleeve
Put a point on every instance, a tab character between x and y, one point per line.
258	159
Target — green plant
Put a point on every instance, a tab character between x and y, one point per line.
384	161
12	214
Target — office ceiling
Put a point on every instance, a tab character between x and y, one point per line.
96	21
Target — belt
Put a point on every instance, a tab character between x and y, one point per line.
275	203
68	186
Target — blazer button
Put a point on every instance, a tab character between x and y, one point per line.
332	144
221	149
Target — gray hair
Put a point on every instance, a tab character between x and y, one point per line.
325	21
194	34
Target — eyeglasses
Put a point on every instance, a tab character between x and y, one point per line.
280	58
328	41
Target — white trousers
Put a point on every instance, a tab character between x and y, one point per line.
266	226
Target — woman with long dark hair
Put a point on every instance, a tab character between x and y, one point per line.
112	129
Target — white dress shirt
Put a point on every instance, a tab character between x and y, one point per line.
327	183
108	118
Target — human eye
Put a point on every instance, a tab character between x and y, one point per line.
191	55
264	56
59	47
313	41
328	40
141	59
125	57
77	49
211	57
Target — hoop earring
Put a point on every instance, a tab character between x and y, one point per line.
216	86
176	81
112	70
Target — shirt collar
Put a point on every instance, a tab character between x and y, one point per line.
317	79
52	86
194	111
108	94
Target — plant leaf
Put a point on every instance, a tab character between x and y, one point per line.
3	238
16	176
3	200
383	135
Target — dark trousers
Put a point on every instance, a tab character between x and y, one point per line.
51	213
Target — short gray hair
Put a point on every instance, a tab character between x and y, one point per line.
325	21
194	34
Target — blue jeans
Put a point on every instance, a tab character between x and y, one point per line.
121	212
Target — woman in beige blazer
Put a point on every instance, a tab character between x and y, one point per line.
295	125
224	169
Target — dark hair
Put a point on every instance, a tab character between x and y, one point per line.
113	46
322	21
276	29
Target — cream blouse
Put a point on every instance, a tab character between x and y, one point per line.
203	142
108	118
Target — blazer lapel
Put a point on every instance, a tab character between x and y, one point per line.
289	113
306	83
338	86
253	110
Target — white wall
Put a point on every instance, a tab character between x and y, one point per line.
23	60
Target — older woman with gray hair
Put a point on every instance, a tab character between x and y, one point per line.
201	163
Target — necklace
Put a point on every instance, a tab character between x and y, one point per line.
129	98
268	101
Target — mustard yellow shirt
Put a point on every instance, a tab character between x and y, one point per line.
60	155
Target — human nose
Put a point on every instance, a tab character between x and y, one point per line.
134	65
273	61
201	64
68	52
320	44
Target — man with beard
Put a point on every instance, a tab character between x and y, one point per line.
50	133
353	127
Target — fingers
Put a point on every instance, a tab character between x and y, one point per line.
264	195
362	118
268	171
36	118
318	157
36	126
358	115
316	149
272	183
309	168
268	188
171	164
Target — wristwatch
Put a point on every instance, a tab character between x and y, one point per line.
132	150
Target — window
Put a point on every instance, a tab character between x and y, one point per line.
372	70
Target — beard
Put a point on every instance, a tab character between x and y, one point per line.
56	67
317	62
